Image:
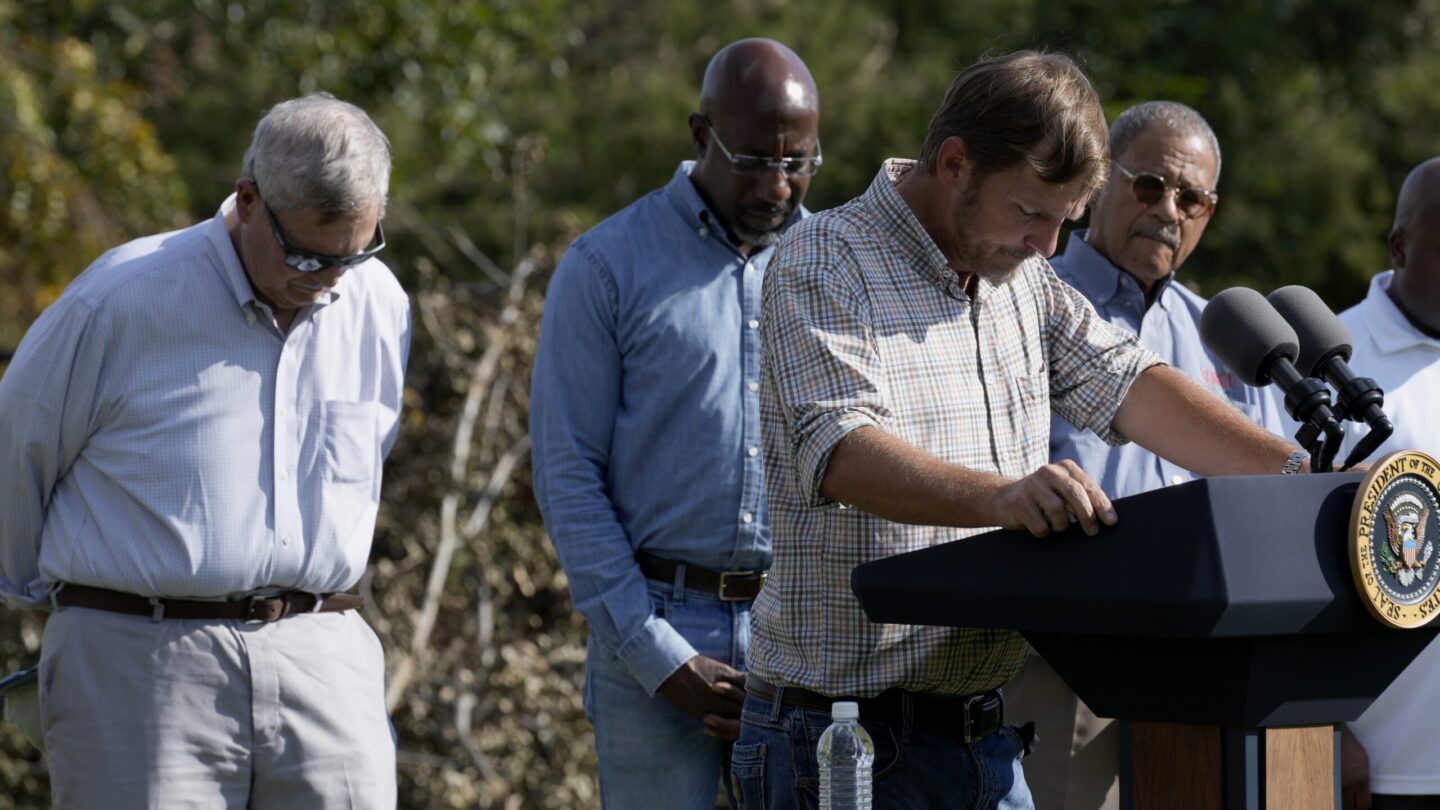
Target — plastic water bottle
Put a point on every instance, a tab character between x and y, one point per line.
846	754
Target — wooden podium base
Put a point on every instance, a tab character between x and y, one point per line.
1173	766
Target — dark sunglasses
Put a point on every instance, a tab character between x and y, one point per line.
1149	189
308	261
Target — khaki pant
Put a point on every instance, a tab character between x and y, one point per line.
1076	766
215	714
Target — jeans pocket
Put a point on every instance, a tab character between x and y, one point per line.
747	775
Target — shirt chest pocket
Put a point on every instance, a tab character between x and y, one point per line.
1030	403
347	442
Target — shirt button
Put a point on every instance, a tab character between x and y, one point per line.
754	451
748	518
285	541
1177	479
250	318
754	386
284	411
753	324
285	475
704	232
749	265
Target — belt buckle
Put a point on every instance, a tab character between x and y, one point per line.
970	703
256	611
725	577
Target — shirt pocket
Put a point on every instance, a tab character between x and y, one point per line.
348	442
1031	416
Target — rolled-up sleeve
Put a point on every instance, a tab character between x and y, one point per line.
1092	362
575	396
820	357
49	407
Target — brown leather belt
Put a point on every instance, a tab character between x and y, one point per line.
730	586
253	610
972	717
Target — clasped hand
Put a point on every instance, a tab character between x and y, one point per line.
711	692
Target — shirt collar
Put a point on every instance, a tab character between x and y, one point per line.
230	268
691	206
233	272
1100	280
900	223
1389	328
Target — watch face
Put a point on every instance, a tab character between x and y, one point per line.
1393	527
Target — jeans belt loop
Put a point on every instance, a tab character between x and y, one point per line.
777	703
677	588
159	613
319	603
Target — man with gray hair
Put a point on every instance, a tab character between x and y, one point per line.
191	440
1165	163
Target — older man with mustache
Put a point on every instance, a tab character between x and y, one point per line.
1165	163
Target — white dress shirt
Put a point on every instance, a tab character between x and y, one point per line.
1399	730
160	435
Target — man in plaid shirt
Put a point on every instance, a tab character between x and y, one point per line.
914	343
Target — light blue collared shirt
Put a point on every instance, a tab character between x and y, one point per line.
644	413
159	435
1171	329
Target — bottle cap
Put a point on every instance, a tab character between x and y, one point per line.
845	710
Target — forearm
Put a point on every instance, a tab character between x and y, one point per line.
1168	414
872	470
608	588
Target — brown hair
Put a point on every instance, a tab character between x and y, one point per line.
1030	106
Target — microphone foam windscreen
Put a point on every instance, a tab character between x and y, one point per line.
1321	334
1245	332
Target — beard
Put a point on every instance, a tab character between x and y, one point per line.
994	262
759	239
762	237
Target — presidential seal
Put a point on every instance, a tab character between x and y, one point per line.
1393	528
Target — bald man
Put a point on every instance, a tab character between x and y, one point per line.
645	420
1393	748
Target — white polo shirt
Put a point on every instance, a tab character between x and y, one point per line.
1399	731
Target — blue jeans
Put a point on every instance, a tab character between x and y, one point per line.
652	754
773	765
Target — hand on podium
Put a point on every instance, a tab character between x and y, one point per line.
1053	497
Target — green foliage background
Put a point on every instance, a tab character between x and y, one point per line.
118	120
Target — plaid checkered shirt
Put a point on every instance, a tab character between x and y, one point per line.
863	323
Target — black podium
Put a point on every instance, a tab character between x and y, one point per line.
1225	603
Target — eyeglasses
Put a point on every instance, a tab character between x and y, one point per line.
308	261
754	164
1149	188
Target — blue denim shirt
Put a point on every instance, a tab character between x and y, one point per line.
1171	329
644	414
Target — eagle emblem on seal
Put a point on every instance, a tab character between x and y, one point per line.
1408	551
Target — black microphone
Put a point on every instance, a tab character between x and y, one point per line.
1325	352
1259	347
